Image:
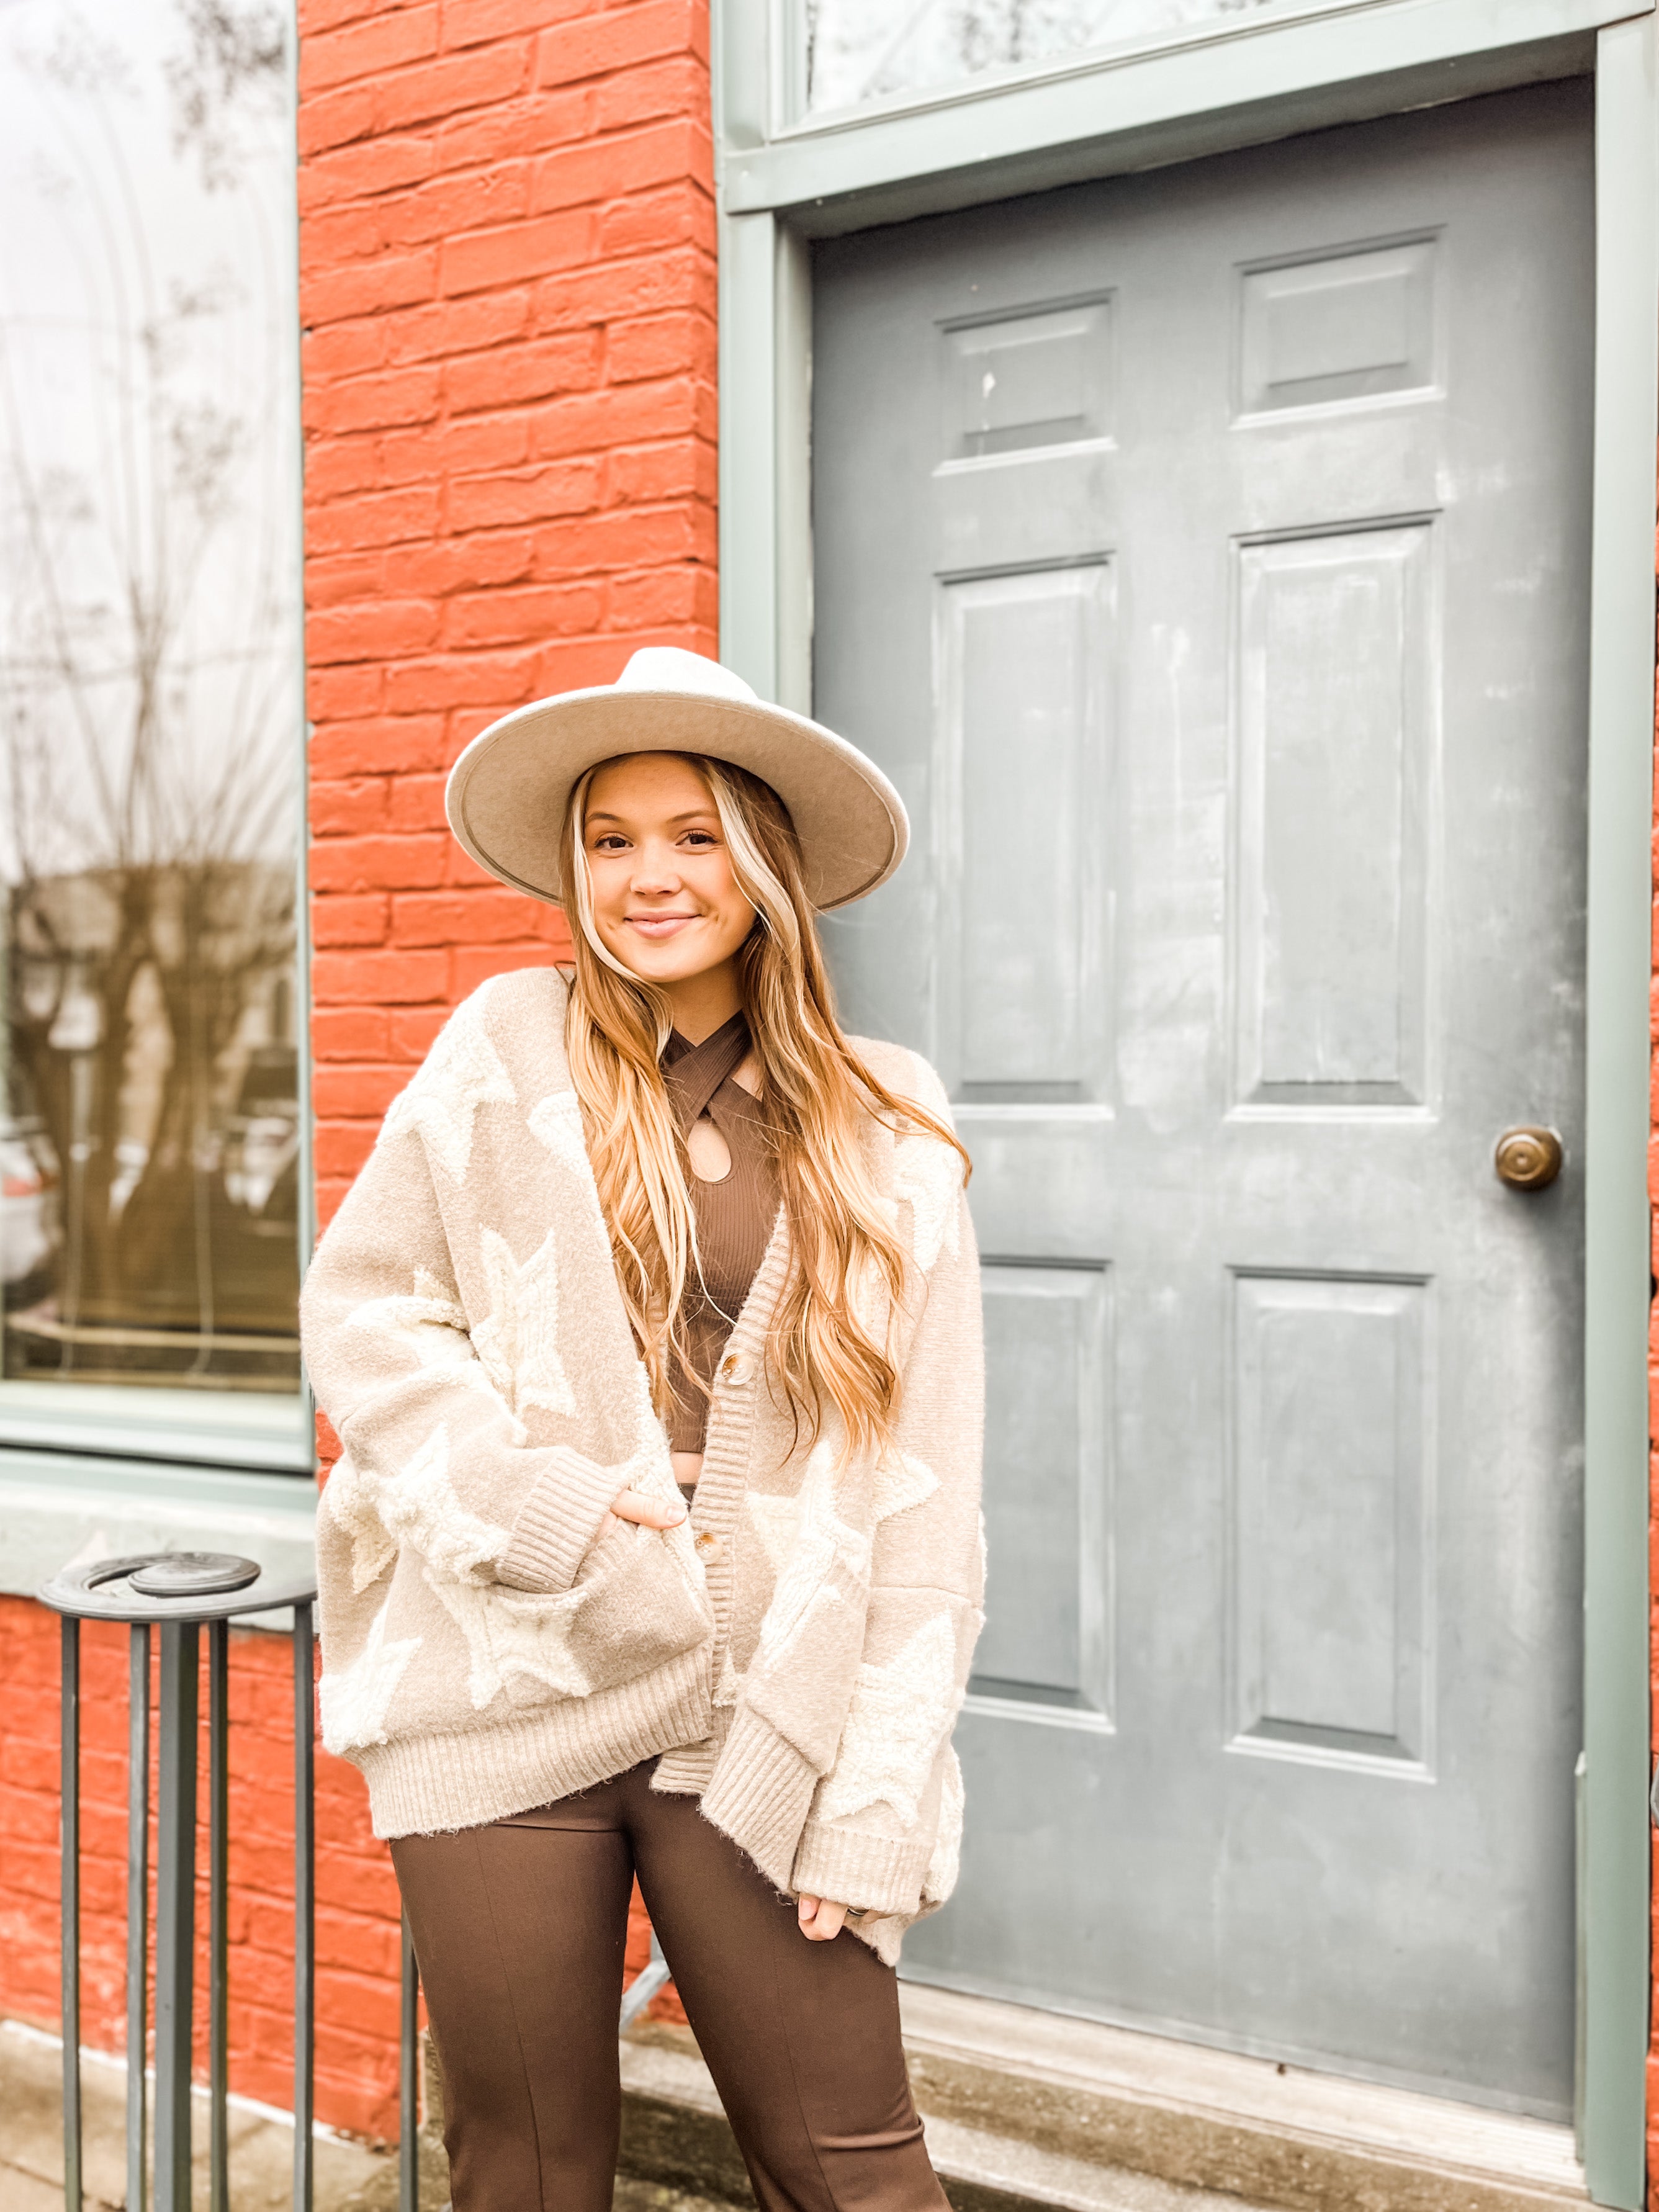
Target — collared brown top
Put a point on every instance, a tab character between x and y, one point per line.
735	1216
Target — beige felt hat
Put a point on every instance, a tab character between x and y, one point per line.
508	790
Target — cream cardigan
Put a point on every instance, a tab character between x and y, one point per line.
797	1651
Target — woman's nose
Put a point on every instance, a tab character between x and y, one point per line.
654	869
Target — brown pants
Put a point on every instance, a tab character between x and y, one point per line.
519	1928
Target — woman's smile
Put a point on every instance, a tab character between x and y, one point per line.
661	925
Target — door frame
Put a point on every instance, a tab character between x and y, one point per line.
780	182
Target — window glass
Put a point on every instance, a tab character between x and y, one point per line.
149	686
863	50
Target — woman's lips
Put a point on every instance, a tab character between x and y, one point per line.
660	925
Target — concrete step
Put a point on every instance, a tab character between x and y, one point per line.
1032	2109
673	2128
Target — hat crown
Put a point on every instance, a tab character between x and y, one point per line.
671	668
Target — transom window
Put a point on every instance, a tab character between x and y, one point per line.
855	51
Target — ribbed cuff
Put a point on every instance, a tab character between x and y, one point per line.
760	1793
874	1873
558	1521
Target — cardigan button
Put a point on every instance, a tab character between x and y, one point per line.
734	1368
707	1545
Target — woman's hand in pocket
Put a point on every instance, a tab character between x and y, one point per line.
647	1512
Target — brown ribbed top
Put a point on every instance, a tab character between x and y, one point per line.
734	1216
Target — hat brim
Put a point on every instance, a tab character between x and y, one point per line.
508	791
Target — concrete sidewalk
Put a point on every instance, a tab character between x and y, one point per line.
351	2176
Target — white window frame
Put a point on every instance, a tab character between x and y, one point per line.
1239	83
116	1478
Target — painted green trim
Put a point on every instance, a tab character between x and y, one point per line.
792	371
750	626
1615	1874
765	394
1240	82
765	466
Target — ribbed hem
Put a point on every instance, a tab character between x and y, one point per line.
760	1795
872	1872
688	1771
428	1784
558	1522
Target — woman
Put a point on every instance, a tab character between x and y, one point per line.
661	1232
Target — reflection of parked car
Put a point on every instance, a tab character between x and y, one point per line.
28	1228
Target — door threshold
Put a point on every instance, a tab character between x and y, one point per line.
1215	2120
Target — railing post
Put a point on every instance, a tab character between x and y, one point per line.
175	1913
218	1903
70	1894
138	1911
304	1907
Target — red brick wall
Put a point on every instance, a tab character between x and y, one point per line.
508	296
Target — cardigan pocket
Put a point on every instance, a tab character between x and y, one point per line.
634	1607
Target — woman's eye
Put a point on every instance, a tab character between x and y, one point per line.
612	844
702	839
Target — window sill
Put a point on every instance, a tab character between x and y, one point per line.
211	1429
56	1507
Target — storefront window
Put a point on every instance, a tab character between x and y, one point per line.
149	683
858	51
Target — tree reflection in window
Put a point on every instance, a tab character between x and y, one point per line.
863	50
148	683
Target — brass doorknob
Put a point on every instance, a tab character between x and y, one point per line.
1529	1160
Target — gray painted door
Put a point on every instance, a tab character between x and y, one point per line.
1205	554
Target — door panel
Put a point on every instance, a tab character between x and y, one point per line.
1330	1431
1204	554
1334	797
1048	1639
1022	659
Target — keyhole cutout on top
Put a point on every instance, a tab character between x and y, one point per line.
710	1154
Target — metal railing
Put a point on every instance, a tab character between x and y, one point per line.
179	1594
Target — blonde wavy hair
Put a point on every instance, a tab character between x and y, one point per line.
816	1096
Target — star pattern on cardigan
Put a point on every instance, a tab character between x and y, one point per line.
355	1701
518	1341
556	1122
929	1176
419	1506
899	1717
513	1635
463	1072
946	1861
901	1481
823	1542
